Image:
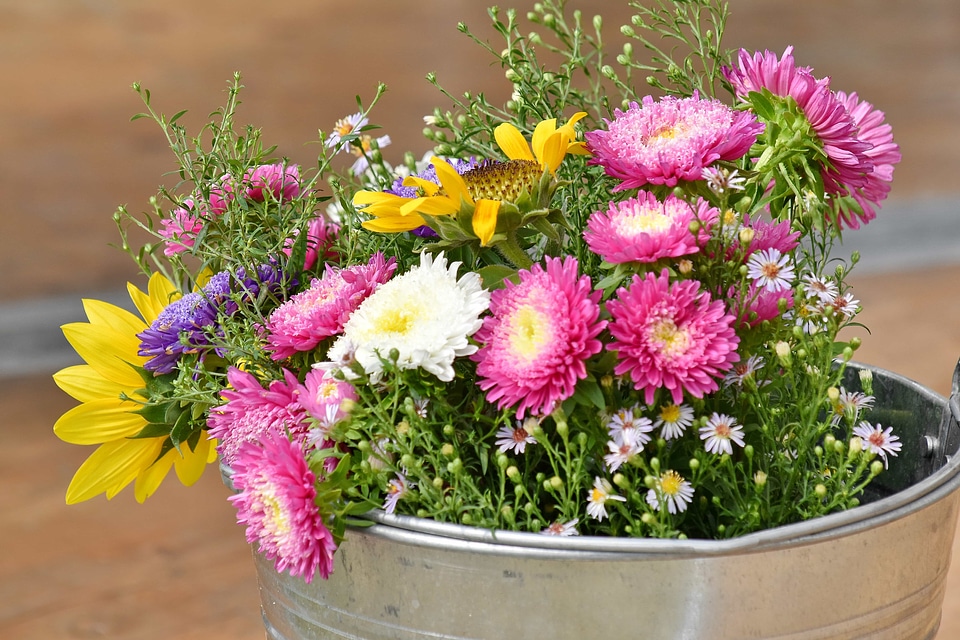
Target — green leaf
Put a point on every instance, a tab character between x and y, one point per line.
762	105
494	275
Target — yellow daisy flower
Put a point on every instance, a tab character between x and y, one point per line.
479	195
109	388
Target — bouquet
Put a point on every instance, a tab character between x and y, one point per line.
607	307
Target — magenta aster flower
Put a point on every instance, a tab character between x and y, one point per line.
180	229
761	304
643	229
884	154
849	163
281	181
301	323
538	337
325	398
670	140
771	235
252	412
321	235
671	336
276	503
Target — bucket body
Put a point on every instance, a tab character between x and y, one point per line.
875	571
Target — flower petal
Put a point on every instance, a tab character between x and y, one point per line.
149	479
485	220
543	132
111	467
394	224
109	315
110	352
82	382
99	421
452	182
192	463
512	142
429	188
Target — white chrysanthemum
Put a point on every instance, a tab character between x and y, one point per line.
426	314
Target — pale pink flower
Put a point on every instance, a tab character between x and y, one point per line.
625	426
562	528
878	440
276	501
301	323
180	229
516	438
670	140
742	371
221	194
671	336
823	289
849	405
251	412
536	341
321	235
643	229
621	452
326	398
397	489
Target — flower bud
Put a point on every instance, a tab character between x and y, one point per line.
448	430
685	266
833	394
513	473
820	490
446	450
694	464
455	466
650	482
648	519
608	72
782	350
437	482
760	479
408	461
621	481
856	446
628	31
748	451
502	460
746	235
512	76
876	468
828	441
597	22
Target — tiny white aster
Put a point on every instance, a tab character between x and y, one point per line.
673	420
739	373
770	269
846	306
625	427
878	440
361	148
719	432
849	404
720	180
516	438
672	491
344	127
820	288
426	314
621	452
396	490
596	502
562	528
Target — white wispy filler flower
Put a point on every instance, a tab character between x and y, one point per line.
426	314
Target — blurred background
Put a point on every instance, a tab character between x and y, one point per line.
69	155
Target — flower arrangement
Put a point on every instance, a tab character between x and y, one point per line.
588	311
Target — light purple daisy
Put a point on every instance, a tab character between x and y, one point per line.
878	440
719	431
771	270
516	438
563	529
397	489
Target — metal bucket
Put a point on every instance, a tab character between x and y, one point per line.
875	571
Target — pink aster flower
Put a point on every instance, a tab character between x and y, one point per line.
321	235
276	503
849	163
251	412
761	304
670	140
884	154
878	440
181	229
302	322
325	398
643	229
221	194
538	337
281	181
671	336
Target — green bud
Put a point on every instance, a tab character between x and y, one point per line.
694	464
446	450
649	481
608	72
597	22
648	519
455	466
466	519
655	464
628	31
818	451
512	75
448	430
502	460
828	441
408	460
422	513
514	474
437	483
621	481
556	483
748	451
876	468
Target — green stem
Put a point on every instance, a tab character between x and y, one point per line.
510	249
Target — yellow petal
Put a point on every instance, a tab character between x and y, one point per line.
552	152
578	148
111	467
109	315
162	292
82	382
435	206
452	182
512	142
429	188
541	134
99	421
568	129
394	224
149	479
485	220
109	352
191	464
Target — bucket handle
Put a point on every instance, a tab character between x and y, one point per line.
948	437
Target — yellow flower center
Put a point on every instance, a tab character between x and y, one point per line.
503	181
528	333
396	320
343	127
645	222
671	340
670	483
670	413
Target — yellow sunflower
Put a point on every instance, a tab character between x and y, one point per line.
480	193
110	390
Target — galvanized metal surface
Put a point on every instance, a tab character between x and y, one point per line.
877	571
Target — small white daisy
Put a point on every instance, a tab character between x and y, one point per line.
361	148
849	404
596	502
878	440
626	427
846	306
673	420
670	490
719	432
516	438
427	315
562	528
344	127
742	370
770	269
621	452
822	289
720	180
